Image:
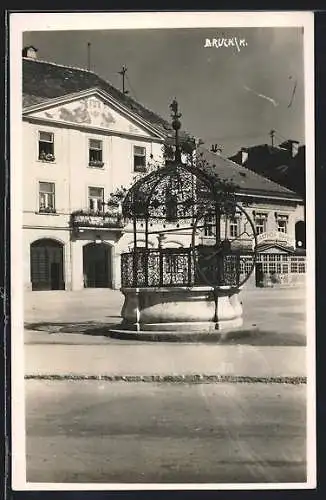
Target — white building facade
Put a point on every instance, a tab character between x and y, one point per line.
77	151
81	146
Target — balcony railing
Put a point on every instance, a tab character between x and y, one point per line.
99	219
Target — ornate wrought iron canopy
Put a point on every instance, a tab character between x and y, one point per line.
183	196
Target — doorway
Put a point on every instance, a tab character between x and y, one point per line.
97	265
259	275
47	270
300	235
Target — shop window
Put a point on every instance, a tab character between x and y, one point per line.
272	267
294	267
245	265
301	267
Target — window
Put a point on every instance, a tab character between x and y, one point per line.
272	267
95	198
46	197
282	222
46	146
294	267
301	267
245	264
95	153
234	228
139	159
260	223
298	265
209	226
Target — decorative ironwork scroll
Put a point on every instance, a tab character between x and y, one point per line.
180	197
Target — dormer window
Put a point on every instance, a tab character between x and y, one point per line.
95	153
139	159
46	146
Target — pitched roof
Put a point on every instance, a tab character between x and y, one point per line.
44	80
247	181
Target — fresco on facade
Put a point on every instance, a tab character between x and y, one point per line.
91	111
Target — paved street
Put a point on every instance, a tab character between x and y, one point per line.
67	334
118	432
271	317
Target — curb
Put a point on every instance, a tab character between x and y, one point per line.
220	337
185	379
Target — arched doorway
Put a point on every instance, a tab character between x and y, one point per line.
300	234
47	272
97	265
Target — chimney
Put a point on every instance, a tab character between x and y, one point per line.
291	146
30	52
244	155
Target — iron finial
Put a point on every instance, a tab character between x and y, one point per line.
176	125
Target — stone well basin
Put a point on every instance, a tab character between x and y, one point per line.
199	309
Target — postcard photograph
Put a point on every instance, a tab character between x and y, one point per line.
162	250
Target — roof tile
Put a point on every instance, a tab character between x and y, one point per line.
43	81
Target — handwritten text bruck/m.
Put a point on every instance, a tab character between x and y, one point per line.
218	43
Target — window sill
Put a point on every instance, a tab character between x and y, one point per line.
46	213
46	162
98	167
140	170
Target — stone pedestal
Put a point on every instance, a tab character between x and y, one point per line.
181	309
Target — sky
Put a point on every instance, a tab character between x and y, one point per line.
216	88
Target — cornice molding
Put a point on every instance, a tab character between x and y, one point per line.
100	94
